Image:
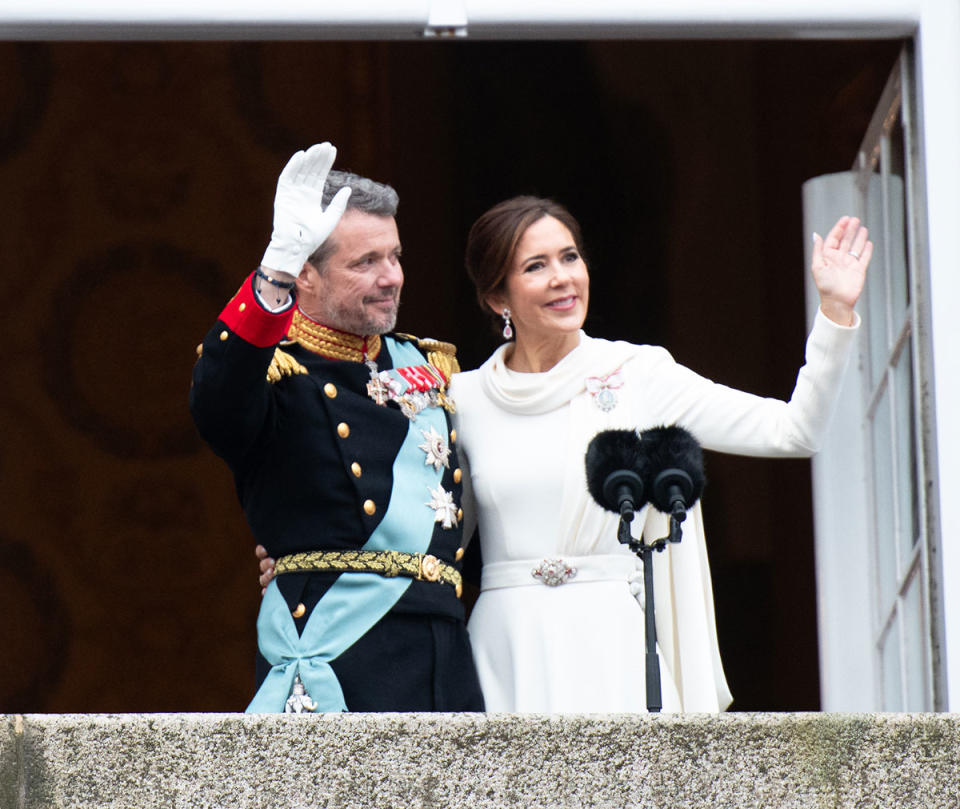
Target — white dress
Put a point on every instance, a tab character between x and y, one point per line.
579	646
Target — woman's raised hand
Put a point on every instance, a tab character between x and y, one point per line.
839	268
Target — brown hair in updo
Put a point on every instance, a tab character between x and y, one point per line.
493	240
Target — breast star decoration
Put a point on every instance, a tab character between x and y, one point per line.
445	510
436	449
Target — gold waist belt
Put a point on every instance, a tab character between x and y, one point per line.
419	566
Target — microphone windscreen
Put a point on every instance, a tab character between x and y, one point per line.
612	451
673	448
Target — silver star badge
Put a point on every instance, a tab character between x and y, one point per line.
442	503
438	453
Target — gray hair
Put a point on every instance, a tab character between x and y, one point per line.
366	195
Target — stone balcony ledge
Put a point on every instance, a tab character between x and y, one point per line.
860	761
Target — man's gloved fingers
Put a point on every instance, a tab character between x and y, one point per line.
292	169
317	163
338	204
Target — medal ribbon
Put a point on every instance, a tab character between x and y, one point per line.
414	378
611	381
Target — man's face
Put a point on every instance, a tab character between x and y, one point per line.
358	290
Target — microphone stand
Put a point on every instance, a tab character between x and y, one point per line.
645	552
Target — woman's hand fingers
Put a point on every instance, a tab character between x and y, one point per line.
859	243
266	567
850	231
836	233
265	578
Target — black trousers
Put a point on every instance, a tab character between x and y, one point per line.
407	662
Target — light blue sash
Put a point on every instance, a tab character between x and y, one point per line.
356	601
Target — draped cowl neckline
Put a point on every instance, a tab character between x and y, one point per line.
533	393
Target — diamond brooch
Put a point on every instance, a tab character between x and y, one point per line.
553	572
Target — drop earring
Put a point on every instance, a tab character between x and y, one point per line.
507	328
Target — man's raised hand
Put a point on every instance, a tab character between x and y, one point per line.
300	223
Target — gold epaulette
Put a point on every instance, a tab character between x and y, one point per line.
283	365
441	355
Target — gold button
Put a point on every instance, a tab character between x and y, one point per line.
460	553
429	568
459	514
457	475
453	436
224	335
459	590
343	429
300	611
200	350
331	390
370	507
242	307
355	468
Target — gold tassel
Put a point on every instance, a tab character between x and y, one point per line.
283	365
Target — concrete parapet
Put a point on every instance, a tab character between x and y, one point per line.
176	761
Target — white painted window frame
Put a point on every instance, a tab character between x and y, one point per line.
876	521
906	641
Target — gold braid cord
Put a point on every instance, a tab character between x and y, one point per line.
389	564
283	365
336	345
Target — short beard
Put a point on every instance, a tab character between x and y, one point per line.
382	326
355	322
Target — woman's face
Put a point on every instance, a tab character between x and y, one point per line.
547	286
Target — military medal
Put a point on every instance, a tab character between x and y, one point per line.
603	389
413	388
445	509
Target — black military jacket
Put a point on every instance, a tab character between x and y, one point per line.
312	454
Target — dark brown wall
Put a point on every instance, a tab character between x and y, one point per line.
136	183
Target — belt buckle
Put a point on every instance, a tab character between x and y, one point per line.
553	572
429	568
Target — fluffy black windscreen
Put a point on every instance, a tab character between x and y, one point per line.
612	451
672	448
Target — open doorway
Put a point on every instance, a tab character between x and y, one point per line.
683	161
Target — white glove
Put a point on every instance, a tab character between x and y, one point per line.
300	224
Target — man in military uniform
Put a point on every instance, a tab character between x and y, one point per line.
339	438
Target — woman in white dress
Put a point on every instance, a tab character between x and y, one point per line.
524	419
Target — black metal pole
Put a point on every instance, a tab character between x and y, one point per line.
654	693
645	551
